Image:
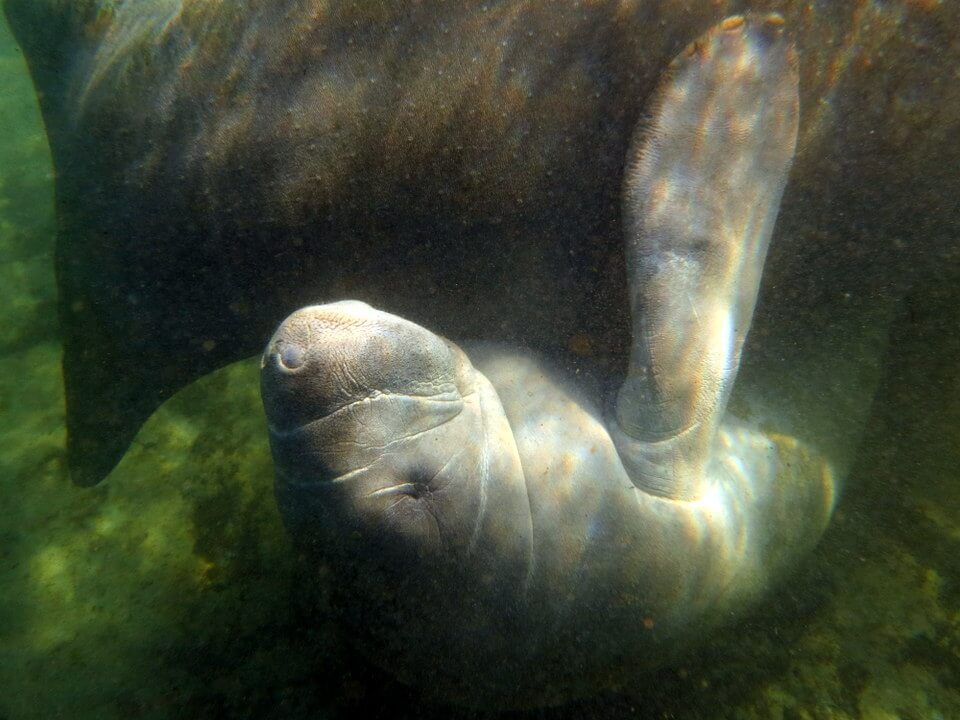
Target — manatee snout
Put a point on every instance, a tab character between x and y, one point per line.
325	359
365	411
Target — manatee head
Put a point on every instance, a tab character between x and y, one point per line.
327	358
368	425
396	466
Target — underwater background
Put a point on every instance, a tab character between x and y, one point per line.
171	591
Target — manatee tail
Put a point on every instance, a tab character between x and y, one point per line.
702	192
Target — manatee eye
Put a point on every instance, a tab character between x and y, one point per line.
291	356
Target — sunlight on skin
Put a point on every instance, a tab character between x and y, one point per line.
700	202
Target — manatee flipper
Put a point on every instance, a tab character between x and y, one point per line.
701	196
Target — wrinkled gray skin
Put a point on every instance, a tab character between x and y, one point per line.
497	536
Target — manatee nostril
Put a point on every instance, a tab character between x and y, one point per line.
291	356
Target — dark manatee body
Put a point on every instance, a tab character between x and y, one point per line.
220	164
499	537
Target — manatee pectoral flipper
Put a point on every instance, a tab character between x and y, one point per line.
701	196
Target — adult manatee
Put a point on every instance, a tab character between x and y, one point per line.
220	164
497	534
